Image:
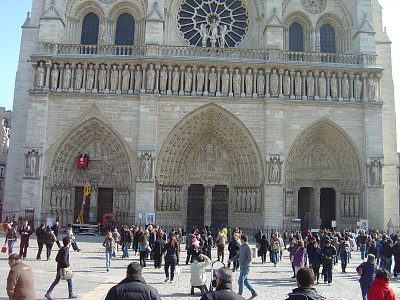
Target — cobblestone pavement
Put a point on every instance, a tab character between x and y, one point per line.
91	281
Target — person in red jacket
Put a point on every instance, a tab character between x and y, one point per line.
380	289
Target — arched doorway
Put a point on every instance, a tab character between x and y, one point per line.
323	166
212	148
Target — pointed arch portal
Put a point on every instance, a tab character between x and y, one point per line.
210	156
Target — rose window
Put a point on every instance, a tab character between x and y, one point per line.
213	23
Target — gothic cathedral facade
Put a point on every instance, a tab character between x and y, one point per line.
251	113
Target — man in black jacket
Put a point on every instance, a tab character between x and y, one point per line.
62	260
305	283
25	232
328	253
40	240
223	290
55	229
133	286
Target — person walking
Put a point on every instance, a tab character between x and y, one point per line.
70	234
367	272
299	256
380	289
244	257
133	287
305	286
109	244
143	249
55	229
20	282
158	250
117	239
328	253
49	239
126	240
40	240
62	260
25	232
396	254
220	240
11	238
275	248
315	260
171	258
263	248
344	251
233	248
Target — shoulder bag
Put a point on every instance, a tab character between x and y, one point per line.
66	273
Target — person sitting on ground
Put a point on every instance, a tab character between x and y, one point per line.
198	273
223	290
133	287
305	282
380	289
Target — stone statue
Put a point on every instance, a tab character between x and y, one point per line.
260	83
78	77
371	87
90	77
274	171
93	194
40	75
286	84
67	77
274	82
54	76
374	173
225	81
146	167
237	80
32	161
222	34
297	84
126	77
200	80
345	86
249	82
310	85
212	77
317	41
213	33
188	80
322	85
175	80
138	79
163	79
114	78
103	27
102	77
203	34
334	86
151	74
357	87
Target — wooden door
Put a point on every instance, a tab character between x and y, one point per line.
219	211
195	206
78	205
104	203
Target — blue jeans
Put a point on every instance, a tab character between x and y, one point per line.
56	281
363	248
126	248
364	290
274	257
108	258
388	264
10	246
244	272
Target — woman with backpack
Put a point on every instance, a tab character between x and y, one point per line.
367	272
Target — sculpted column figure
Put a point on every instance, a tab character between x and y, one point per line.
212	77
175	80
78	77
322	85
126	76
310	85
334	86
188	80
222	34
274	82
345	86
200	81
54	77
114	78
357	87
138	79
40	75
286	84
371	87
67	77
237	82
297	85
260	83
102	77
90	78
163	79
225	82
203	35
150	74
249	82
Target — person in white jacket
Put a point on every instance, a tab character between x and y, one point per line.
198	273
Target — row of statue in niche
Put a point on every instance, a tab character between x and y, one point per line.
192	80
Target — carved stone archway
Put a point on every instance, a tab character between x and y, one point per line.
324	156
209	146
109	167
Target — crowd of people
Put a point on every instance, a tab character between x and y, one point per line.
312	256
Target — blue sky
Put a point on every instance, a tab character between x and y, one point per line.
13	15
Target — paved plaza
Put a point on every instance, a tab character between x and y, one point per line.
91	281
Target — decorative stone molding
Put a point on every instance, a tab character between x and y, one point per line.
32	162
374	169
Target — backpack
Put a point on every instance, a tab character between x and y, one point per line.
275	245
